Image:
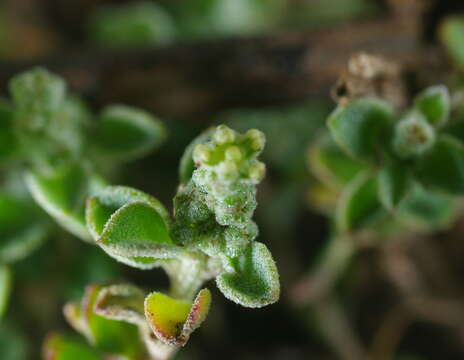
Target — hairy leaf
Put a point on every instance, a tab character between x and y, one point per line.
358	204
252	280
331	165
131	226
362	127
394	184
110	336
443	167
434	104
172	320
37	94
62	194
125	133
124	302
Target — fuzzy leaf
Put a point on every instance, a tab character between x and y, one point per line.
394	184
37	94
434	104
110	336
253	280
125	133
358	204
443	167
331	165
62	195
21	229
5	288
428	210
172	320
122	302
362	127
131	226
59	347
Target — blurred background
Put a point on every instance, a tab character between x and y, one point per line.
275	65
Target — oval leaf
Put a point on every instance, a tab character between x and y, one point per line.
111	336
434	104
331	165
173	321
254	280
394	184
358	205
125	133
62	195
122	302
361	128
443	167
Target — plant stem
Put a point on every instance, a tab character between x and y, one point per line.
336	329
321	280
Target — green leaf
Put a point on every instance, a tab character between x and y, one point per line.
331	165
443	167
125	133
36	94
131	226
452	35
426	210
173	321
110	336
362	127
123	302
132	25
59	347
22	230
252	280
359	204
5	288
62	195
394	184
434	104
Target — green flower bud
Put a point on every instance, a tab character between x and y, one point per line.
224	135
201	153
413	136
257	171
233	153
228	170
257	139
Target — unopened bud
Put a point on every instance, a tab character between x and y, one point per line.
257	138
257	171
224	135
228	170
201	154
233	153
413	136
